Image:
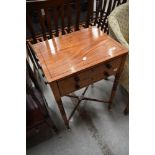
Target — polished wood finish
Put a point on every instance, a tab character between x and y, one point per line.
78	59
88	76
57	96
70	54
116	81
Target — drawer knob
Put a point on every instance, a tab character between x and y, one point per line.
106	75
77	79
108	66
77	86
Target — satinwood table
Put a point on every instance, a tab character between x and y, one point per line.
76	60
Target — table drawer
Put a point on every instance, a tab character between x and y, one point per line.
75	82
98	77
66	85
112	66
107	69
87	77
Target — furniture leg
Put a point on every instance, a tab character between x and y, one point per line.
116	81
57	96
113	92
126	110
63	113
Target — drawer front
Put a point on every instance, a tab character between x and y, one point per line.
67	85
98	77
112	66
107	69
87	77
75	82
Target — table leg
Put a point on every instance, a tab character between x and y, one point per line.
126	110
114	88
57	96
116	81
63	113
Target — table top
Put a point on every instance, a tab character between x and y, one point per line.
74	52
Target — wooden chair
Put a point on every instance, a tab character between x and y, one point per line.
55	17
60	17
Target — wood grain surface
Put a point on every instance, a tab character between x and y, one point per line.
75	52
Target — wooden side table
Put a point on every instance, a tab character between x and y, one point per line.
78	59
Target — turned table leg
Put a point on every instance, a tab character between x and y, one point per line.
116	81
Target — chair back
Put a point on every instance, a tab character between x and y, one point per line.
55	17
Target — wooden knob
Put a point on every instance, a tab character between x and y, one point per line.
46	82
76	78
108	66
106	75
77	86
